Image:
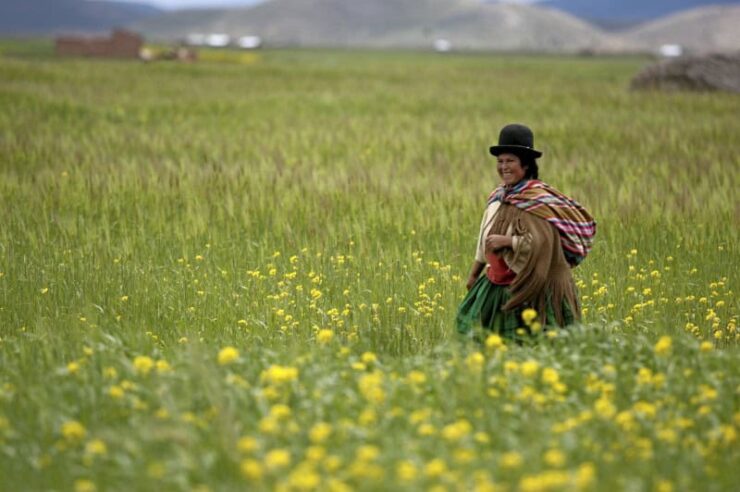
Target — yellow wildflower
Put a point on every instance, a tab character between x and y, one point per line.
324	336
96	447
530	367
528	316
163	366
554	458
475	361
663	347
85	485
494	341
369	358
406	471
277	374
247	444
73	367
457	430
227	355
73	430
435	468
320	432
251	469
116	392
511	459
277	458
143	364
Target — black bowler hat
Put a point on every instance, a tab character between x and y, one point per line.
516	139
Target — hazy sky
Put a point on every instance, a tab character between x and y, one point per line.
181	4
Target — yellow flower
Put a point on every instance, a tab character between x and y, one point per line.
435	468
406	471
585	476
605	408
84	485
277	374
73	367
457	430
319	432
663	347
96	447
554	458
416	377
73	430
247	444
277	458
512	459
280	411
367	453
227	355
494	342
530	367
332	463
475	361
143	364
529	315
163	366
304	477
371	387
550	376
324	336
116	392
251	469
706	346
369	358
664	486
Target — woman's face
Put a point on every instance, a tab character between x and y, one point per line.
510	169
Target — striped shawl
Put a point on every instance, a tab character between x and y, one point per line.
574	224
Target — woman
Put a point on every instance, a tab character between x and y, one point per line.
530	237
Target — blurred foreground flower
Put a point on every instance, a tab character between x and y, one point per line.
227	355
529	315
73	430
143	364
663	347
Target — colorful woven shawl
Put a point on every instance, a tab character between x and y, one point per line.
576	226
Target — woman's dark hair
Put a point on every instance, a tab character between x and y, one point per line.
530	163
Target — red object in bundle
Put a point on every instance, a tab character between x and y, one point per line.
498	271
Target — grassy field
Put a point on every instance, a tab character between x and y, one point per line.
242	274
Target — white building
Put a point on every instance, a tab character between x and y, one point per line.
249	42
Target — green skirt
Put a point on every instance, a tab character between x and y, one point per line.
482	308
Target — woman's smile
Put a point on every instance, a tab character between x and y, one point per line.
510	169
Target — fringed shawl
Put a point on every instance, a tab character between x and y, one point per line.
546	275
561	232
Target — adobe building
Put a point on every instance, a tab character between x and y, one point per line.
121	44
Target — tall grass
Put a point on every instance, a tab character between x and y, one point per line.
167	211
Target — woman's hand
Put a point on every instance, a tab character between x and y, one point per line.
471	282
497	241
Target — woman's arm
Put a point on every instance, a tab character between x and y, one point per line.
475	270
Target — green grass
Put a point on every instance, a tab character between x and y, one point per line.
169	211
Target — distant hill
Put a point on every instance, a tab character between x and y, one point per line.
628	10
52	16
701	30
384	23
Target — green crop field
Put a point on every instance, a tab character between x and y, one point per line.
242	274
